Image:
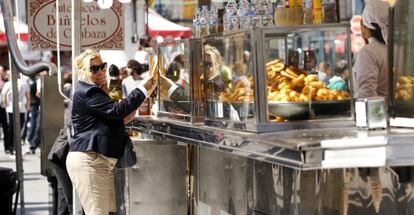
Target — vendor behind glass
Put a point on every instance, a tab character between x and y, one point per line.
174	86
371	66
99	133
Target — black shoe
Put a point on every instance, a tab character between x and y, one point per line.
7	151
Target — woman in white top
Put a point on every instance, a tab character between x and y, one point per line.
371	66
24	103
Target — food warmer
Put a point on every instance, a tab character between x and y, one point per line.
267	79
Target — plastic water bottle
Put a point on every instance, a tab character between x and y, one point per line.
267	17
231	17
196	24
213	20
205	21
244	14
258	11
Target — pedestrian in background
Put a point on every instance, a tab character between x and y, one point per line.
24	103
33	114
135	72
3	115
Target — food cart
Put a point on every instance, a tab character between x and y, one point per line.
252	159
264	163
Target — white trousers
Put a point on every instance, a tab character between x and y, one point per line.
92	175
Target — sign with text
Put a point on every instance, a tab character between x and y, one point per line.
101	29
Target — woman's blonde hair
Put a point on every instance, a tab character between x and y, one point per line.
216	61
83	64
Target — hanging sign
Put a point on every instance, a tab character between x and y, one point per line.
101	29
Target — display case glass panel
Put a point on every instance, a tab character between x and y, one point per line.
279	78
228	78
403	64
307	73
174	79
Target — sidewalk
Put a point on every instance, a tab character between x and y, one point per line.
36	186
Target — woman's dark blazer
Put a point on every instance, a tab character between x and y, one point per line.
98	120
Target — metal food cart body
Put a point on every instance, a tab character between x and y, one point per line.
311	171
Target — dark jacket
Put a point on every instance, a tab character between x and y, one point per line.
98	120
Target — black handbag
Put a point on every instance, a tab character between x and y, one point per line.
59	150
129	158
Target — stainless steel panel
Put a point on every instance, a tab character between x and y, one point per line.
157	184
281	190
225	184
232	185
51	120
274	189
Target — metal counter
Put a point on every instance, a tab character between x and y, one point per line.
231	172
298	149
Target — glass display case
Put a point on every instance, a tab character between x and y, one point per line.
279	78
179	73
402	65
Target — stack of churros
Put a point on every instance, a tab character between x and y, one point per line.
240	91
284	84
290	84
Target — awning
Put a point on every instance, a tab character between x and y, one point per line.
159	26
20	28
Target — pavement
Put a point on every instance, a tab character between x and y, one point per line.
36	186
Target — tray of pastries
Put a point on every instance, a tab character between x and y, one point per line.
404	96
294	94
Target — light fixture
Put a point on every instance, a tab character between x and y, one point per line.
125	1
105	4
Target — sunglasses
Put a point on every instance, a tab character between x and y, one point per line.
208	65
96	68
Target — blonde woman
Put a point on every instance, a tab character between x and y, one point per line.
99	132
213	62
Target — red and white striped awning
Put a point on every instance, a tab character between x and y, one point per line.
20	28
159	26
